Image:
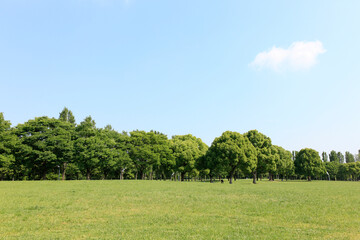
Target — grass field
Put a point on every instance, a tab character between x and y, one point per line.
174	210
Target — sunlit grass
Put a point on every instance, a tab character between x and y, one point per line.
174	210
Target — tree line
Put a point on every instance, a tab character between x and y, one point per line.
50	148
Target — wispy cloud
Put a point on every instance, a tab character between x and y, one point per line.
299	56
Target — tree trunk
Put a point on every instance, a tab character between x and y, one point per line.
254	177
182	176
309	178
88	174
64	171
271	177
231	177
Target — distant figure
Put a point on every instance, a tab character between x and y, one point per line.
222	181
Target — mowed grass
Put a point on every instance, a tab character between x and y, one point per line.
174	210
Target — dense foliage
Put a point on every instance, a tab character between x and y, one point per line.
49	148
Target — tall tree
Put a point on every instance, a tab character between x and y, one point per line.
333	156
354	170
324	157
308	163
349	157
203	165
67	116
332	169
285	165
341	157
7	144
344	173
187	150
208	165
266	157
145	151
48	144
232	151
357	156
88	147
106	152
63	145
118	160
166	165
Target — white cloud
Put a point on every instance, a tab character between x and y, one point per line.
299	56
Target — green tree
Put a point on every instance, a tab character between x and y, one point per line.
233	151
88	147
118	160
203	166
341	157
67	116
344	173
47	143
166	164
106	152
332	169
146	151
208	165
349	157
285	165
7	145
324	157
68	148
357	156
62	140
187	150
266	156
333	156
308	163
354	170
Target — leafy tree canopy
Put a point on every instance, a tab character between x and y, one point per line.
187	150
232	151
266	155
308	163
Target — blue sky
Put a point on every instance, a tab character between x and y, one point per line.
188	66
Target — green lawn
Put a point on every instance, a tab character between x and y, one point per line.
173	210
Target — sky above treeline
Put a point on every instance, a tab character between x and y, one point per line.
289	69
